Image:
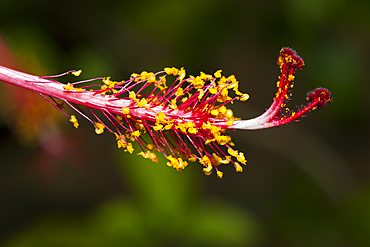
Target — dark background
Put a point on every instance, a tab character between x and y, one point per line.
306	184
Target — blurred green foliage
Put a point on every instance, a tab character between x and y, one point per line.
306	184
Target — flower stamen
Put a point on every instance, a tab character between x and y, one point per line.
185	121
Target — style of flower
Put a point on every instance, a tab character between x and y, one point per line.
185	121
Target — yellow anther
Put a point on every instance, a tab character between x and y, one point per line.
149	155
222	140
238	167
196	81
205	76
171	71
182	73
70	87
161	118
232	78
121	141
106	80
201	93
129	148
142	103
102	88
244	97
229	113
192	130
179	91
190	124
232	152
132	95
213	90
158	127
215	112
136	133
176	163
205	161
99	128
241	158
173	105
153	157
125	110
73	120
76	73
220	174
291	77
168	126
222	110
208	170
181	127
218	73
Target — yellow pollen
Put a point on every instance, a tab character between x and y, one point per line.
132	95
77	73
74	121
136	133
149	155
245	97
229	113
99	128
158	127
291	77
214	112
208	170
179	91
241	158
142	103
238	168
232	152
218	73
70	87
130	149
125	110
229	122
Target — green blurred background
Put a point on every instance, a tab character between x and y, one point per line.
306	184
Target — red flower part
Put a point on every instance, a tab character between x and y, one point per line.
278	113
189	111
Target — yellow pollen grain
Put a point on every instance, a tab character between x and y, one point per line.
179	91
99	128
232	152
132	95
214	112
142	103
74	121
229	113
136	133
208	170
245	97
158	127
238	167
77	73
125	110
229	122
218	73
130	149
